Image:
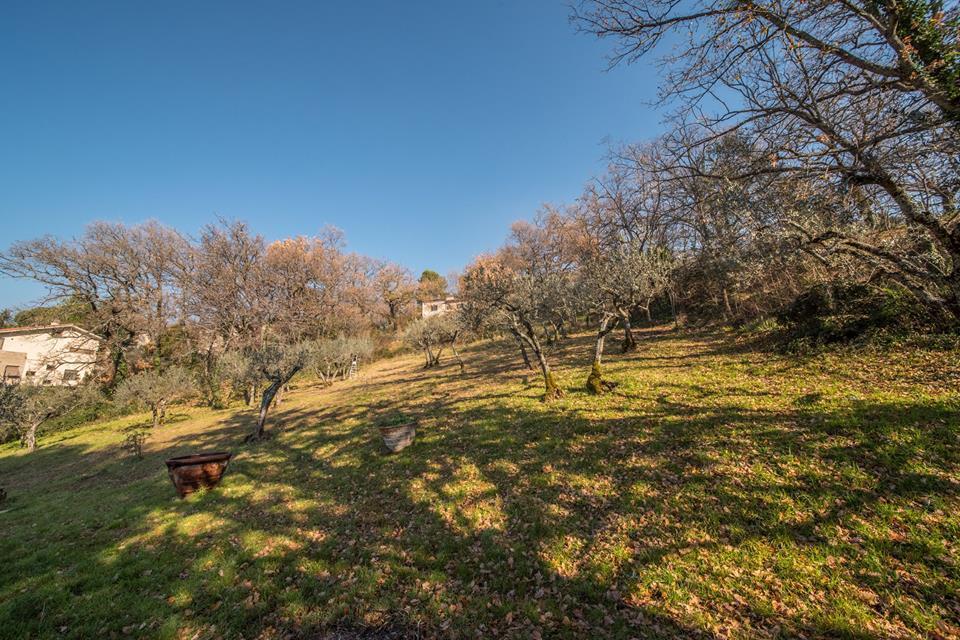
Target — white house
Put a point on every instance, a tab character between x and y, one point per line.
429	308
52	355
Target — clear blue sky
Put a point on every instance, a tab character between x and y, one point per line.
421	129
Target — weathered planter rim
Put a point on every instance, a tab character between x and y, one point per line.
396	427
198	458
192	472
397	437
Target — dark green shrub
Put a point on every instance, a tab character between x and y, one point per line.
394	419
843	312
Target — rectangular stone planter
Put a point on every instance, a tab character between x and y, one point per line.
398	437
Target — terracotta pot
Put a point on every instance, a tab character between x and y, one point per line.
398	436
189	473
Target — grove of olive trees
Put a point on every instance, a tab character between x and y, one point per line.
228	310
812	155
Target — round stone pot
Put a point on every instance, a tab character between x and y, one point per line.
189	473
398	436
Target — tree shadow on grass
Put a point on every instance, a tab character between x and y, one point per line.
509	519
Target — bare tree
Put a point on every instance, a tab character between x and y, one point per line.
906	47
304	288
223	297
126	277
623	223
396	289
859	100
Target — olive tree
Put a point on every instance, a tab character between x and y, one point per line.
332	357
514	299
451	329
528	287
434	334
155	390
616	280
424	334
238	370
25	408
277	364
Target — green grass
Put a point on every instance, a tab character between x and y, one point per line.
720	491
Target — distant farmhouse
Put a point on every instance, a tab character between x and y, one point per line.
58	354
429	308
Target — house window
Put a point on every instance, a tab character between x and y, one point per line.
11	374
434	307
70	375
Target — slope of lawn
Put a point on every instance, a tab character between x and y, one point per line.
719	491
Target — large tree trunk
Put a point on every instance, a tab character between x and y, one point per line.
265	401
523	350
595	382
214	401
673	307
118	363
551	390
268	395
554	333
30	437
456	354
953	301
629	341
394	310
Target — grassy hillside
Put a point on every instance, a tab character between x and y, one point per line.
721	491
